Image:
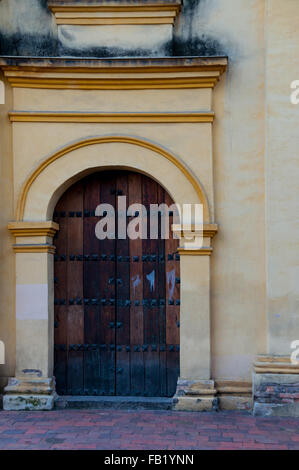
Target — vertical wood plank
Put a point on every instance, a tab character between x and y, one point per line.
75	290
60	310
136	294
123	382
91	286
150	294
107	274
172	275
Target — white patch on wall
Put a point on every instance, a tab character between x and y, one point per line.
32	301
2	353
2	93
128	37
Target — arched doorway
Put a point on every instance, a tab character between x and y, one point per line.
117	301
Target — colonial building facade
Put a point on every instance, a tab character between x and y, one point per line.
164	102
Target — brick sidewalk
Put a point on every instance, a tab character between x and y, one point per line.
148	430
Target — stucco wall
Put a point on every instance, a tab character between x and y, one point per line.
282	170
238	266
7	280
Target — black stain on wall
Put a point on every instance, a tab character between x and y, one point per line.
192	43
202	46
96	52
20	43
23	44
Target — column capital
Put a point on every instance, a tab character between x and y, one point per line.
204	251
33	229
199	236
33	237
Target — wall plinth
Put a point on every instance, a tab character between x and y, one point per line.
275	386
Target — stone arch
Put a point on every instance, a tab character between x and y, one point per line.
56	173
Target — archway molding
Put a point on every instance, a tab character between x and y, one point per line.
54	174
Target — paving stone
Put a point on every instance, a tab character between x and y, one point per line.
145	430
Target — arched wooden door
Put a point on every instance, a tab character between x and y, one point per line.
116	301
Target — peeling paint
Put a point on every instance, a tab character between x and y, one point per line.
151	278
171	283
136	281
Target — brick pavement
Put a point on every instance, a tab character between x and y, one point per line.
147	430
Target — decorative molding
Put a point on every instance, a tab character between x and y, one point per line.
266	364
100	140
31	248
72	83
207	231
234	395
233	387
108	6
45	116
114	20
113	74
204	251
33	229
111	13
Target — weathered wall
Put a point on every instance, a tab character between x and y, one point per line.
7	269
282	170
27	27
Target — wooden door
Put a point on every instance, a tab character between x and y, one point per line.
116	300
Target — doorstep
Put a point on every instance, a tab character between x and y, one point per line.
121	403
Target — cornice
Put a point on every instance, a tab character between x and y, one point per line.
35	116
115	12
113	5
126	74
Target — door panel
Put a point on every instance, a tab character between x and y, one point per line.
116	300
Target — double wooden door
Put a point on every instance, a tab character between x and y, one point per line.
117	301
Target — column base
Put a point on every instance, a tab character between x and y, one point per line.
275	387
29	393
195	395
234	395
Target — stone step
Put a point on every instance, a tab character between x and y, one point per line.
106	402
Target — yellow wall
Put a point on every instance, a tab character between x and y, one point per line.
7	269
282	174
238	263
